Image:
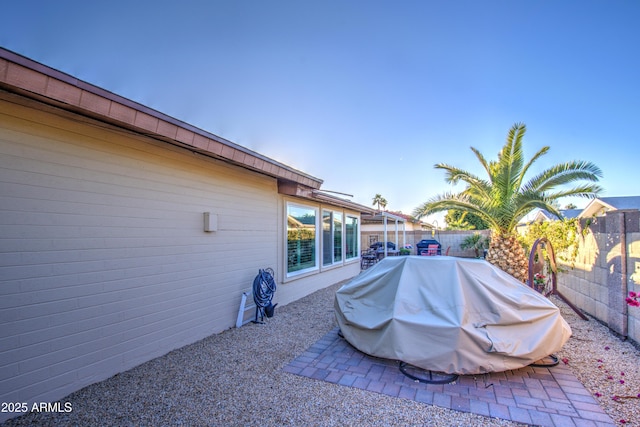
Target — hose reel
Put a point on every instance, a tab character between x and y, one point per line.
264	286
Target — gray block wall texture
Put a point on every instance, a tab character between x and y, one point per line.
449	239
606	269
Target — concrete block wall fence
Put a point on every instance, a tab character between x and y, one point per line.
606	269
449	239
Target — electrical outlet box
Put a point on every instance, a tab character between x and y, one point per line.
210	221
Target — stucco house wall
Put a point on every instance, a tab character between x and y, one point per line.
104	260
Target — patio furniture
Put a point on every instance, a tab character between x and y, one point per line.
448	314
431	250
368	258
390	252
427	245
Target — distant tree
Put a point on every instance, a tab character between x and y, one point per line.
461	220
504	197
380	201
571	206
457	222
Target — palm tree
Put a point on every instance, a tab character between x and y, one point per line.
504	198
380	201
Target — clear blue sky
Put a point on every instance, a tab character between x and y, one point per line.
366	95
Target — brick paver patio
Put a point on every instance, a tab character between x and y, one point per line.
539	396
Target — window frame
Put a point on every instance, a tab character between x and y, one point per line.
316	245
356	252
319	211
331	239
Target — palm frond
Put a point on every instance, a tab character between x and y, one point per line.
449	201
485	164
454	174
527	202
541	152
588	191
564	173
507	171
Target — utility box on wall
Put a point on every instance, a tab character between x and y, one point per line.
210	221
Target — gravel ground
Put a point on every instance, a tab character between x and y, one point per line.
606	365
235	378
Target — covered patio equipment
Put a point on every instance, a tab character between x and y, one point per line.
447	314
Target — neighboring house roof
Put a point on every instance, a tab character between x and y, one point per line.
596	207
27	82
545	215
600	205
571	213
406	217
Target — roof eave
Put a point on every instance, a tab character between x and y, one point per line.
288	188
30	79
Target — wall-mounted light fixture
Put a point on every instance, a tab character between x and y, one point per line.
210	221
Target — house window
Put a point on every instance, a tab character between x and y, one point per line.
351	238
331	237
301	238
337	237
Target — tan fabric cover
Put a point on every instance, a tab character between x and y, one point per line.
447	314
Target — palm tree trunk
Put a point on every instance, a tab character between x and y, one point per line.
506	253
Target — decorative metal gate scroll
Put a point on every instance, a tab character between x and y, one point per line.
543	276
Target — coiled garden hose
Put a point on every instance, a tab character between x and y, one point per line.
264	286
